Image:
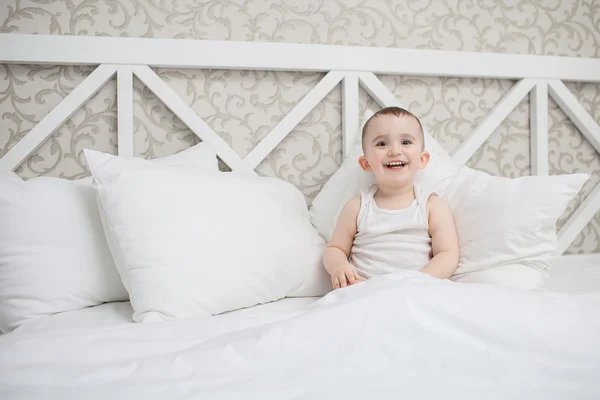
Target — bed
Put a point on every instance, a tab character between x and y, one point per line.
519	320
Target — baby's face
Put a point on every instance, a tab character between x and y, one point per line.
393	149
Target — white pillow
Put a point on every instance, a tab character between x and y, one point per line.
53	252
191	242
507	227
349	179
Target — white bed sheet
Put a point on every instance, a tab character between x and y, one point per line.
390	337
572	274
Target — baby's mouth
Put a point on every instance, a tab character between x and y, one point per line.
396	165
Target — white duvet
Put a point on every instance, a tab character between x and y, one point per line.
406	336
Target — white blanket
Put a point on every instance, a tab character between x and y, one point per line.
406	336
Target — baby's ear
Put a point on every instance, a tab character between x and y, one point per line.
425	156
364	164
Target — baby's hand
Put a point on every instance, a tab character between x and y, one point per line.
345	275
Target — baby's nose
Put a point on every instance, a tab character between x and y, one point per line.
395	149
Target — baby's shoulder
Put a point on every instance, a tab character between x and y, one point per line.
349	213
353	205
436	206
434	201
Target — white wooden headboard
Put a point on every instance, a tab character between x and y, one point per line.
536	76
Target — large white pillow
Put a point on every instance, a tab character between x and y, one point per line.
349	179
507	227
191	242
53	252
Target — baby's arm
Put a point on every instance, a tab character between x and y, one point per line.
444	240
335	257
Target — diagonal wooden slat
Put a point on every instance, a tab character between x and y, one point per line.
539	129
590	129
586	124
125	111
385	98
492	121
350	117
580	218
377	90
55	118
191	119
293	118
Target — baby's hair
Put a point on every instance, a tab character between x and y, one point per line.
397	112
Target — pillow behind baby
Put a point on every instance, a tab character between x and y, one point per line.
191	242
53	252
507	227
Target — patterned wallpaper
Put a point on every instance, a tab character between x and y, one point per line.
242	106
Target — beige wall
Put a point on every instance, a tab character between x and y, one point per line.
243	106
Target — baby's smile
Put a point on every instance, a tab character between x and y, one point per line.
396	164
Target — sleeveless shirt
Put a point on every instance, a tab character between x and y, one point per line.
389	240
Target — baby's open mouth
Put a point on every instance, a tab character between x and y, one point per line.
396	164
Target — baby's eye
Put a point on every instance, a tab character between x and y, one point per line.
406	142
382	143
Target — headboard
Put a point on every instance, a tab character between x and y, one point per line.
354	68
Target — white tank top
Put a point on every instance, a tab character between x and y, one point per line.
389	240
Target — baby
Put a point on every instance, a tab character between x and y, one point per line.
395	225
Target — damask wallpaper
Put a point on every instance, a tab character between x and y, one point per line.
242	106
